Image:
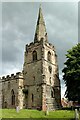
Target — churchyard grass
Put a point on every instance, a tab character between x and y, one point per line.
11	113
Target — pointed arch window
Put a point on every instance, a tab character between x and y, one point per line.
32	97
49	56
3	99
8	85
12	97
5	104
52	93
34	54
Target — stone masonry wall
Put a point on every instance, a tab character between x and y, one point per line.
9	84
50	70
33	76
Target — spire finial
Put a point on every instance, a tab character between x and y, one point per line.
40	5
40	28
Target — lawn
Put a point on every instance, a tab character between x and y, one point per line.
11	113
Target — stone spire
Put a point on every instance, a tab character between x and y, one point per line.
40	28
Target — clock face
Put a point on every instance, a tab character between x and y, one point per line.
50	69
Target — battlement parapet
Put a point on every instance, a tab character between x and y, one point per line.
7	76
28	46
19	75
3	77
50	46
12	76
41	42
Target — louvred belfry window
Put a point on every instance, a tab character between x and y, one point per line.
49	56
34	55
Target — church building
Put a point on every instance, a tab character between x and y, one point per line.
38	85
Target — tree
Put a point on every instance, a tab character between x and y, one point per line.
71	74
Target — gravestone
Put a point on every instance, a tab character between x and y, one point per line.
17	109
76	114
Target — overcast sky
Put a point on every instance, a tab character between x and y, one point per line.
19	23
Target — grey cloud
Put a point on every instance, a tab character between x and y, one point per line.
19	19
61	10
19	23
62	28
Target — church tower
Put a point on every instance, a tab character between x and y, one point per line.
40	71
